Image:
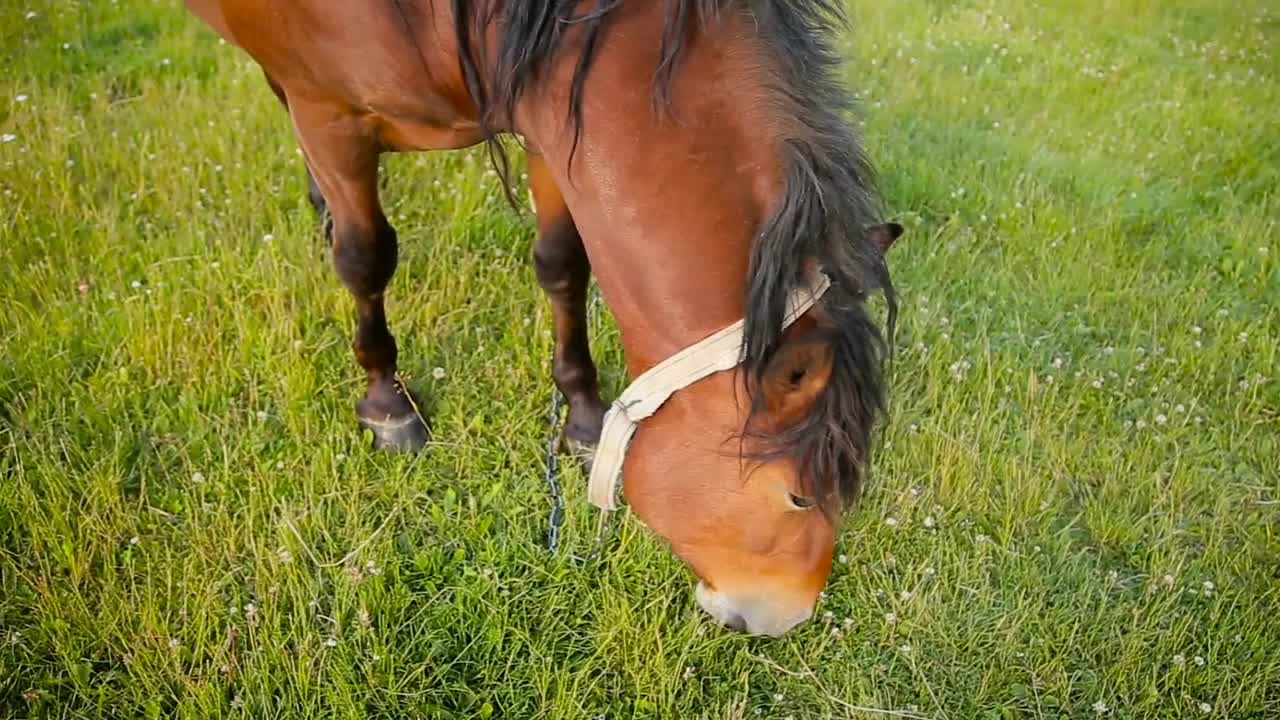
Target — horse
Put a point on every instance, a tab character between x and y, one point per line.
698	158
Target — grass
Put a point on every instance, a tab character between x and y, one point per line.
1074	513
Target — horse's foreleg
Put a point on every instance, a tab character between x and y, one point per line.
344	160
313	190
563	271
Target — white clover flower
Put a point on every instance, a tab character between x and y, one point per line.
438	373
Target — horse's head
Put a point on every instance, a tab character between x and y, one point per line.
753	511
708	201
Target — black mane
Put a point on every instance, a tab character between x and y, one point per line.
826	209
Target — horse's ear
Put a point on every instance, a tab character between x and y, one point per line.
796	375
884	235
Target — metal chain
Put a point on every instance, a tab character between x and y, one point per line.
555	517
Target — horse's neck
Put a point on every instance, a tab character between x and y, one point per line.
669	243
667	207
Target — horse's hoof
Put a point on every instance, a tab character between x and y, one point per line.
583	452
406	433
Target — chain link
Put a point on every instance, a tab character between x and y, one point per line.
555	517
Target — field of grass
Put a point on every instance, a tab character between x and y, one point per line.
1074	512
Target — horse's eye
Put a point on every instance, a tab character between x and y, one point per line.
801	502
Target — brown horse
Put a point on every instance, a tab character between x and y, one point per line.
695	156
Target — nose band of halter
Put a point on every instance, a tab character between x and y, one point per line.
642	398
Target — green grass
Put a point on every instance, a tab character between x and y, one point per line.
1086	427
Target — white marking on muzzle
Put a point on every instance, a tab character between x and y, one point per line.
756	616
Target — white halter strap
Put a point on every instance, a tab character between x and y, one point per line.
714	353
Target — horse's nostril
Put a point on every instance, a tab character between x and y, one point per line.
721	608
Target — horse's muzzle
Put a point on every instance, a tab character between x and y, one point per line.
753	615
